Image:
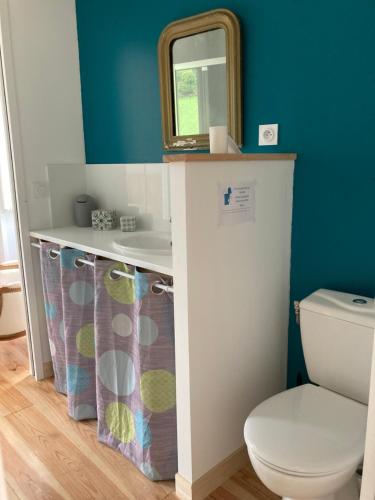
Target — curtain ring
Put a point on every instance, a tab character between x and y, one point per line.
154	289
114	276
77	263
52	254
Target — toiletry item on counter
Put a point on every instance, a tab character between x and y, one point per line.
83	206
103	219
127	223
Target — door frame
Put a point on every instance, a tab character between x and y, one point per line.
28	262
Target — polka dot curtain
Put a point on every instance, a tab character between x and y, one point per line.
112	348
51	280
77	287
68	288
136	390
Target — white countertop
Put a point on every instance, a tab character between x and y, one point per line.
101	243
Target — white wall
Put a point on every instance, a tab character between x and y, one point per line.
8	239
46	66
231	304
65	183
43	94
140	189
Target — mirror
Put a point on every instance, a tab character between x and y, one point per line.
200	80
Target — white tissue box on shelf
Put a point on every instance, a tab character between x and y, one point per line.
127	223
103	219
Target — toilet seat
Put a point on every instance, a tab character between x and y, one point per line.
307	431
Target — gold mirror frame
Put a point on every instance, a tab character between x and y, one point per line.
214	19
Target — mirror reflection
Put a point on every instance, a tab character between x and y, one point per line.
199	76
200	79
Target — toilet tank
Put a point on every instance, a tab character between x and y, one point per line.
337	335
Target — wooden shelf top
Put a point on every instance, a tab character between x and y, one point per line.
191	157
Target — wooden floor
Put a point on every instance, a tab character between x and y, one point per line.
48	456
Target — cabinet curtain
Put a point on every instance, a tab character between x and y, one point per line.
113	353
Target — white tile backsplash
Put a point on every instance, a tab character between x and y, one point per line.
155	190
132	189
106	183
65	183
135	188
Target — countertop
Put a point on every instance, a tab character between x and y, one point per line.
101	243
200	157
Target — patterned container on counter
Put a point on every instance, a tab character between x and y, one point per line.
128	223
103	219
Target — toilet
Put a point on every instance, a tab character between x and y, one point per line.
307	442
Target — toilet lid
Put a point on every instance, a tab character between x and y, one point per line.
307	430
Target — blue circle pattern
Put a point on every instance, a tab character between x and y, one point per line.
150	471
77	379
141	285
84	412
68	257
142	430
115	370
147	330
81	292
51	310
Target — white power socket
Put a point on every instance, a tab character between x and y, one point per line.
268	134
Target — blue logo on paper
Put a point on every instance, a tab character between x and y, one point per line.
227	196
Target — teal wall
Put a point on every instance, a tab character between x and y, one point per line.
307	65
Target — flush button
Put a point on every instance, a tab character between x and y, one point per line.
360	301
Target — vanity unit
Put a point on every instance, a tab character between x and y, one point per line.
103	244
231	228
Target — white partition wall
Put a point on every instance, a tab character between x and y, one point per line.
39	56
231	280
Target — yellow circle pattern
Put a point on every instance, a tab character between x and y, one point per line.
85	341
158	390
122	289
120	422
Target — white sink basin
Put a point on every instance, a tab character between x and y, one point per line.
145	243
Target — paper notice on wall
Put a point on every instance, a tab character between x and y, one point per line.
236	203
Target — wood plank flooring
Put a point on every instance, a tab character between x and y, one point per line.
48	456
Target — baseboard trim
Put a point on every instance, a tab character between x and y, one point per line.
183	488
206	484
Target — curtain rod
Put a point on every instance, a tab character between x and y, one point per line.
161	286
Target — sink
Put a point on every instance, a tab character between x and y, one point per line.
145	243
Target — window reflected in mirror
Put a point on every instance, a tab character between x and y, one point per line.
199	82
200	79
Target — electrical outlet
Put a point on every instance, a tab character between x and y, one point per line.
268	134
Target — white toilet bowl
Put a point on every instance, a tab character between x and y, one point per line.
342	485
306	443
